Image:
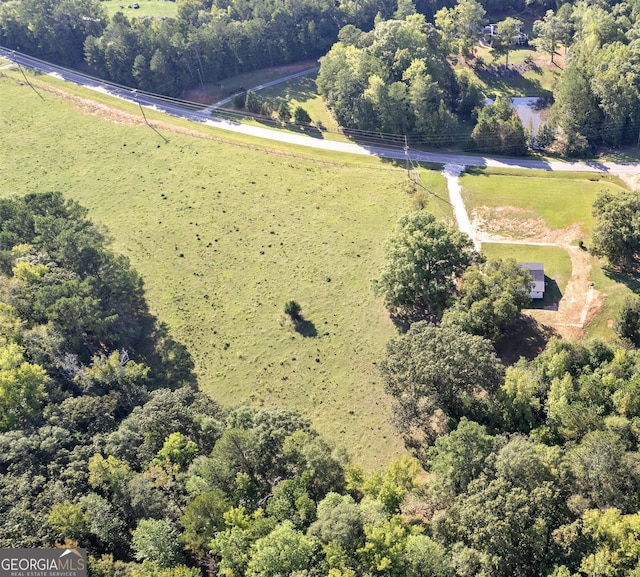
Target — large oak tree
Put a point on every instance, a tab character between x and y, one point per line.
425	256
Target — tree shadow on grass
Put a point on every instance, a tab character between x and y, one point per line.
302	89
525	338
630	279
304	129
305	328
403	320
512	83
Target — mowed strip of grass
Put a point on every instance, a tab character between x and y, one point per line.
559	200
223	236
147	7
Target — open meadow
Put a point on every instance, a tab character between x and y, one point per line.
224	233
163	8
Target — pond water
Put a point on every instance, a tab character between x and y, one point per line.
529	110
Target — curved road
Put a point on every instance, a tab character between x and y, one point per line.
201	114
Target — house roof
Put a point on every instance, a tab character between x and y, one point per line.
537	274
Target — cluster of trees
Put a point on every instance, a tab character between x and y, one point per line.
499	130
78	352
616	233
253	103
395	80
434	273
534	468
207	41
597	100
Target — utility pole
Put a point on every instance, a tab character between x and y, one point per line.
406	155
135	93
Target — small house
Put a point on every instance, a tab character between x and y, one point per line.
490	30
537	276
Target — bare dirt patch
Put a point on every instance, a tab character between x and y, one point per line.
510	223
580	301
97	109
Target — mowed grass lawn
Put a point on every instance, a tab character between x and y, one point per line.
223	236
147	7
561	199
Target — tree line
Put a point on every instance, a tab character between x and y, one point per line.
597	99
207	41
384	67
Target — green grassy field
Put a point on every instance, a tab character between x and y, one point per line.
616	288
147	7
224	233
560	199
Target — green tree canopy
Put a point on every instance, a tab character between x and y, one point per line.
462	24
616	234
156	540
282	552
627	322
508	31
436	376
424	259
22	387
490	298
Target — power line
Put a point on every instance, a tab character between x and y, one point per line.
29	83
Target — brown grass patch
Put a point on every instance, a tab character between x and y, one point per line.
508	223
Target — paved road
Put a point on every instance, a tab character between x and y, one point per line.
200	114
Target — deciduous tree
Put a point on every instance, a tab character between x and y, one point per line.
424	259
627	322
462	24
616	234
508	30
156	540
436	376
490	298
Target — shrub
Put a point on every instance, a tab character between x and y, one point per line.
301	116
284	112
292	309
